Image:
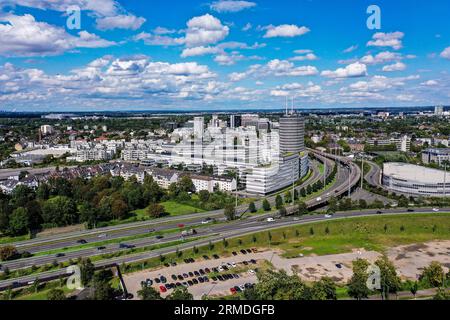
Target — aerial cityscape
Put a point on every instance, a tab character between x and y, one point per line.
224	151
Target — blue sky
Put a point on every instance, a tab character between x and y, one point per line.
222	54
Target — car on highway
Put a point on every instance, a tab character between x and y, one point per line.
101	248
379	212
126	246
328	216
159	237
318	199
59	255
436	210
103	235
81	241
181	225
410	210
270	219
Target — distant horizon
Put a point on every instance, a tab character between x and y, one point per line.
213	111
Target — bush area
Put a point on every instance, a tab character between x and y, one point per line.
61	202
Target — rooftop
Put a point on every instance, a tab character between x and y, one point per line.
414	173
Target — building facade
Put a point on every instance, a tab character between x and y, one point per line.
415	180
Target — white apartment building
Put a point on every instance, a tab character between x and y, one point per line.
402	143
211	183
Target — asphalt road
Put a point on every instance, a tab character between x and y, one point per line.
344	181
217	233
373	177
132	229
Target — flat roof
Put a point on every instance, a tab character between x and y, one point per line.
415	173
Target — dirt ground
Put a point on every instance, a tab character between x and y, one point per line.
409	261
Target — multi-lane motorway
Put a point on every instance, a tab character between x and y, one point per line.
214	233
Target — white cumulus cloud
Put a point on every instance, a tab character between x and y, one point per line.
381	39
285	30
24	36
223	6
353	70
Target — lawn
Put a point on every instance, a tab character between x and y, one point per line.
343	235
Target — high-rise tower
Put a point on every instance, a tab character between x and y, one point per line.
292	134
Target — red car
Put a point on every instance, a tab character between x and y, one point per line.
181	226
162	289
233	290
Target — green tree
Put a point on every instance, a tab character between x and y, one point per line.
8	253
303	192
266	205
252	207
56	294
148	293
441	294
390	281
288	197
203	195
433	275
180	294
302	208
325	289
414	288
357	285
155	210
87	270
60	211
332	205
18	222
278	202
186	185
230	212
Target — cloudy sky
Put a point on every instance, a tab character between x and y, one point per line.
222	54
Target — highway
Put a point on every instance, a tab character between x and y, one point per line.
212	234
348	176
373	177
138	228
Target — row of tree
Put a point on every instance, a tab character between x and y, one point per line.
61	202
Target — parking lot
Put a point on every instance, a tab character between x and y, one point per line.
207	275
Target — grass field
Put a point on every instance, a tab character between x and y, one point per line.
343	235
172	208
